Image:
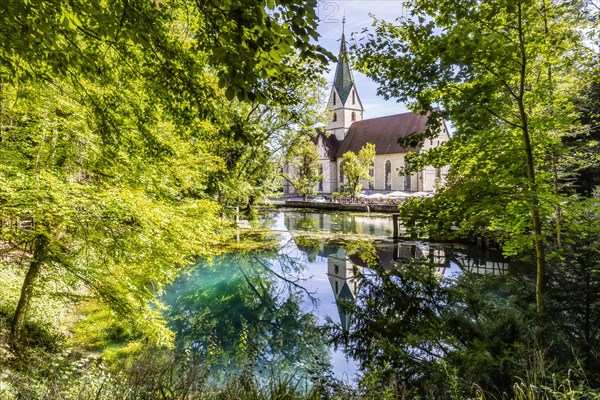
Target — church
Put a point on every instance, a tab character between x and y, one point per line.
347	130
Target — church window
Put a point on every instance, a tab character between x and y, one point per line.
334	100
438	172
334	117
388	175
336	269
353	98
336	287
407	180
353	116
341	173
372	177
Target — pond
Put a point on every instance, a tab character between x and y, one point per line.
288	309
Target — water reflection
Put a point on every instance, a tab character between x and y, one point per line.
259	312
344	222
408	318
239	314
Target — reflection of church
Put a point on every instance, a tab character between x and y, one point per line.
345	271
344	277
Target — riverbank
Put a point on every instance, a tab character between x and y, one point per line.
383	208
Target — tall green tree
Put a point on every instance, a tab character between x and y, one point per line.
304	164
499	71
114	218
356	168
255	138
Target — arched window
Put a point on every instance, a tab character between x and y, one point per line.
372	177
353	116
334	100
407	180
334	117
353	98
341	173
388	175
336	269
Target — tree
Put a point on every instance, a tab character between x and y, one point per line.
357	167
245	44
113	217
110	134
255	136
585	165
304	162
498	70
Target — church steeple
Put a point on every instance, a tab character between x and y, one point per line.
343	81
344	105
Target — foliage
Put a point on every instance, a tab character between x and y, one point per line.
304	164
254	137
107	213
238	316
575	296
112	137
502	72
418	334
245	44
356	168
584	163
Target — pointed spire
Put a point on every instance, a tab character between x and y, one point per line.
343	80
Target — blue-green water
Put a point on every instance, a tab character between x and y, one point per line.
264	311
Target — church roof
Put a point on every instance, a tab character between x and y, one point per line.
383	132
330	142
343	80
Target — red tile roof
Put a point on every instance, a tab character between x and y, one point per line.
383	132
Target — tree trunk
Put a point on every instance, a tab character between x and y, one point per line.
39	254
535	202
305	197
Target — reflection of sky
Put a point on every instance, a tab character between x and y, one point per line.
317	282
452	270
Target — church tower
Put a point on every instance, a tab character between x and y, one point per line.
344	105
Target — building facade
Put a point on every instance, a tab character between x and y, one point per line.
347	130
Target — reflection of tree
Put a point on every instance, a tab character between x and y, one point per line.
310	246
395	324
236	314
306	223
416	333
344	222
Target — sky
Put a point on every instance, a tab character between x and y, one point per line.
357	14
